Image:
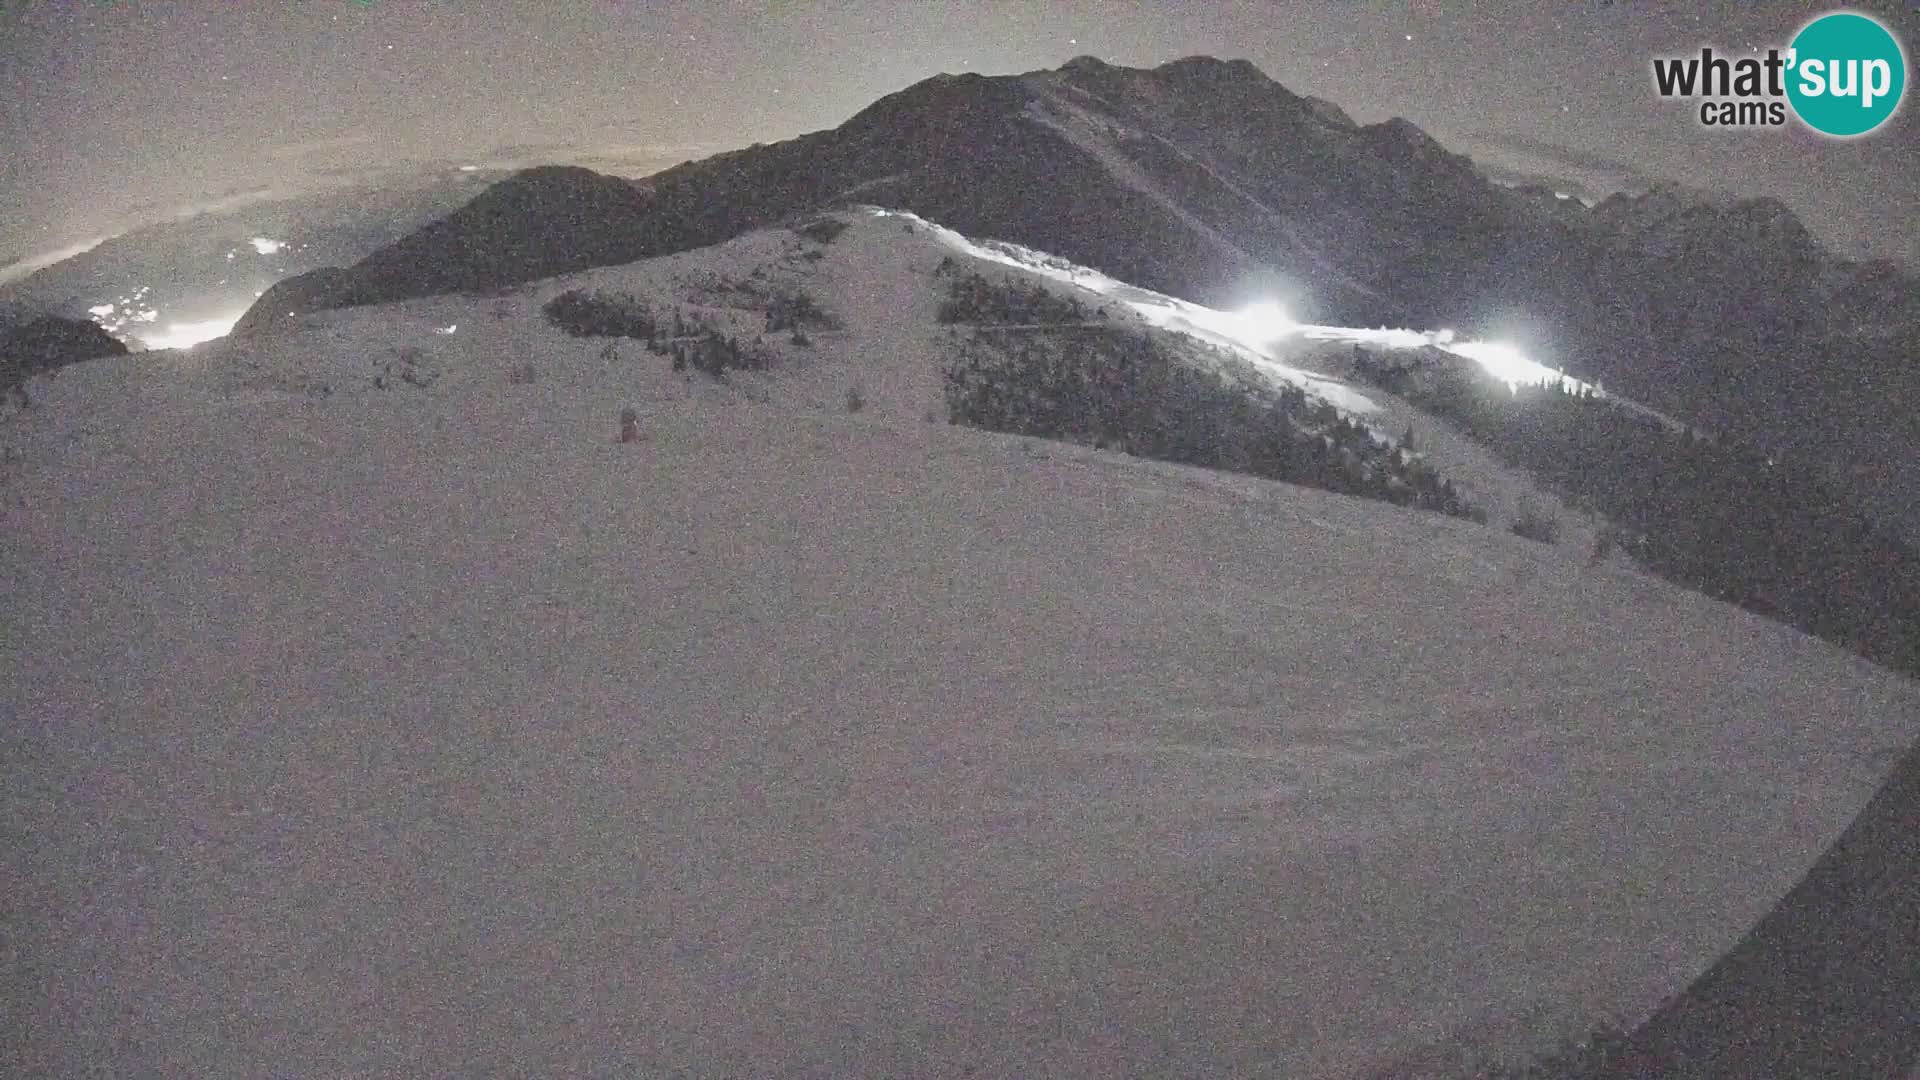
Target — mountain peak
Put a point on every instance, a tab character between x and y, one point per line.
1331	113
542	174
1211	69
1089	64
1401	129
551	182
1676	207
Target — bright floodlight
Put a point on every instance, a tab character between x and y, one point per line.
1264	322
1503	361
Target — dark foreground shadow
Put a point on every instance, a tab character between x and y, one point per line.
1827	984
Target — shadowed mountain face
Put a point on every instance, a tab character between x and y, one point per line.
1208	180
49	343
1201	178
535	224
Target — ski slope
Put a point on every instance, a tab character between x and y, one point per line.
1306	356
428	730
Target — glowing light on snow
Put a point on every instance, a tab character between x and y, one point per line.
1265	322
1255	327
1253	330
1509	364
1249	332
187	335
102	310
1381	337
1501	360
266	245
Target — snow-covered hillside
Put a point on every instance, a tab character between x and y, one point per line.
372	710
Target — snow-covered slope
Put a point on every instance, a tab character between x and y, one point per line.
879	278
422	728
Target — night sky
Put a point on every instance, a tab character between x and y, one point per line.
113	112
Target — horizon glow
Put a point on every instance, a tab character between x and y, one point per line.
188	334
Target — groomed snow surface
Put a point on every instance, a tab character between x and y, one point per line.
431	731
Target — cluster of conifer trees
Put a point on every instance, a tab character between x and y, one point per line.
972	298
1112	387
691	341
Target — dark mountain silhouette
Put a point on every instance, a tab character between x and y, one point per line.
317	290
1205	179
535	224
1200	177
48	343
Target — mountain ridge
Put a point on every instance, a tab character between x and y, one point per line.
1205	179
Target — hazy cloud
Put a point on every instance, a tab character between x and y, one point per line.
311	147
1517	158
296	179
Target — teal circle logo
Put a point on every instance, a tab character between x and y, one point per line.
1846	74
